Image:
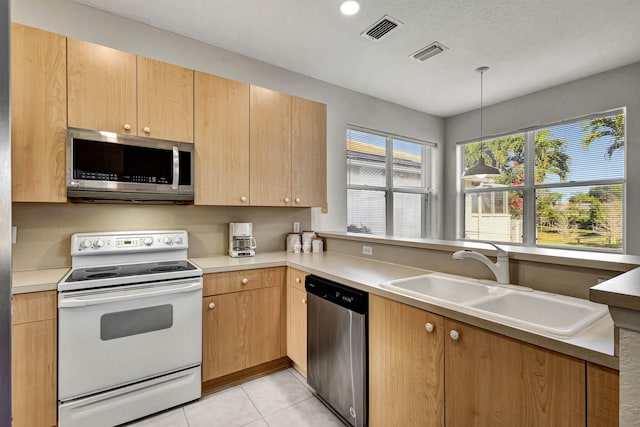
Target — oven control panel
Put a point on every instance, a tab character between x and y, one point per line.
123	242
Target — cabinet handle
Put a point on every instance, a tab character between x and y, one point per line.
429	327
454	334
211	305
146	129
245	281
297	199
298	280
304	301
127	126
286	200
243	199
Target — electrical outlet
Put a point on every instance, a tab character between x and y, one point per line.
296	227
367	250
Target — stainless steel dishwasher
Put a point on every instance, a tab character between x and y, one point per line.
337	347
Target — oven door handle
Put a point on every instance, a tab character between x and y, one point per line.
83	302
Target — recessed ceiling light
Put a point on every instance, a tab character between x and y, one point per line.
349	7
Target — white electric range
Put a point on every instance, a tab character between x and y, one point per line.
129	327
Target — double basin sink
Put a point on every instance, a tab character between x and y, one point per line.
545	313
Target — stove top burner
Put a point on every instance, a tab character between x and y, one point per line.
128	270
100	276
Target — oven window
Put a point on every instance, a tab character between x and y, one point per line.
133	322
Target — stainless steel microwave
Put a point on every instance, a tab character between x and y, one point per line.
105	165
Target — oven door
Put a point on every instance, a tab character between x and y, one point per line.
116	336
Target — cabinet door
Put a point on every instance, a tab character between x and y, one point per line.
297	328
102	88
240	330
34	365
38	115
493	380
309	152
221	141
165	100
270	148
603	392
406	365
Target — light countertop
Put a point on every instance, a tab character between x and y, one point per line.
595	344
621	291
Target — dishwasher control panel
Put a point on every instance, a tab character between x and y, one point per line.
345	296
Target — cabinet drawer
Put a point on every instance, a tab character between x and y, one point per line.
33	307
296	278
235	281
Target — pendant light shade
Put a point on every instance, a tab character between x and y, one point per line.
481	170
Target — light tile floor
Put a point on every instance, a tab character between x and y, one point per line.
281	399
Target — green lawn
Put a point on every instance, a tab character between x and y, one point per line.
580	238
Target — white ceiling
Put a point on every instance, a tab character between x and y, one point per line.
528	44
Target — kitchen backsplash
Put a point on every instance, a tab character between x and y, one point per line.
44	229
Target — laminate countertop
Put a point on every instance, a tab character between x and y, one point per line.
622	291
594	344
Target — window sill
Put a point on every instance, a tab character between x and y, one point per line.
596	260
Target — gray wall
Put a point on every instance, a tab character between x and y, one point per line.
613	89
344	106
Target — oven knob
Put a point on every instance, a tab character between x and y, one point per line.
148	241
168	240
98	243
178	240
85	244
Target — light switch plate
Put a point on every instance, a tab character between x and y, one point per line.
14	234
296	227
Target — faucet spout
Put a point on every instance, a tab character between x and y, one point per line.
500	268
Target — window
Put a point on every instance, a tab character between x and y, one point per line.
389	184
560	185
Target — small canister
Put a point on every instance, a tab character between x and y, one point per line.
307	236
292	238
317	245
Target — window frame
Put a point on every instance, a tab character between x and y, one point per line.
529	186
428	219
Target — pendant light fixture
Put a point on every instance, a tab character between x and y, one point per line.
481	171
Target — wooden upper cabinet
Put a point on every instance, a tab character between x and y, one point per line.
406	365
309	153
165	100
221	141
102	88
270	148
38	115
497	381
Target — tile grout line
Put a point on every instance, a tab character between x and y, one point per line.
252	402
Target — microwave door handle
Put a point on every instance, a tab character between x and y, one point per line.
81	302
176	167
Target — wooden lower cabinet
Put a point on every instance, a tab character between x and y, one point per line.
34	360
420	376
406	365
492	380
297	319
603	391
241	330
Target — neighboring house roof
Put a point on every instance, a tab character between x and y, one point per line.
364	151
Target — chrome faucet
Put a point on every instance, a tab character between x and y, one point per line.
500	268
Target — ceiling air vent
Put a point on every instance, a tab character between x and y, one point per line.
381	29
427	52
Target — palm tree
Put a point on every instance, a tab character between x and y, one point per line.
611	126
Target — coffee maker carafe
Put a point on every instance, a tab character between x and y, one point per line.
241	241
